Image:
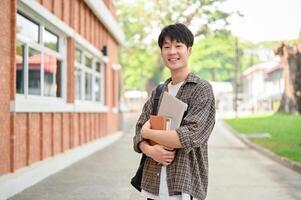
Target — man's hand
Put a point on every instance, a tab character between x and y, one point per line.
159	153
162	154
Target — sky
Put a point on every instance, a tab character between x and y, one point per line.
266	20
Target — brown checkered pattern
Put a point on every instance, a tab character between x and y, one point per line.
188	173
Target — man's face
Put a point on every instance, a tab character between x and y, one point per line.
175	54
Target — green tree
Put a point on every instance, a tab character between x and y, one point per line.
213	57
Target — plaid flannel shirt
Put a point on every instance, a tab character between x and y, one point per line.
188	173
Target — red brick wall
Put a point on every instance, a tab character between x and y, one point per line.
40	135
57	134
34	138
66	7
66	131
75	126
20	141
111	7
26	138
47	135
7	46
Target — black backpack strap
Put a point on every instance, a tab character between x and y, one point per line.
156	98
136	180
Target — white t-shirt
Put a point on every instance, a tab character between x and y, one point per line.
163	191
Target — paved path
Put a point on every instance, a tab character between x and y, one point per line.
236	173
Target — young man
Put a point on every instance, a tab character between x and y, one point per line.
177	168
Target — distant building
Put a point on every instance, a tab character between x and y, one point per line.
60	77
135	99
223	93
263	86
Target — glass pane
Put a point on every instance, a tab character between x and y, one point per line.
52	76
51	40
34	74
98	67
97	89
78	55
78	84
88	62
88	86
27	28
20	68
58	79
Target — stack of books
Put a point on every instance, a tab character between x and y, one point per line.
170	114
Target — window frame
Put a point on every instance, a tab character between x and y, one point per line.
59	55
92	71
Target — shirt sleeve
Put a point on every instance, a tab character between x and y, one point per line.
199	121
144	116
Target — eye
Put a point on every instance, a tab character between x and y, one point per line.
166	47
179	45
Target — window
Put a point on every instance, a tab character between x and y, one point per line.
78	84
39	59
51	40
88	77
27	28
20	68
34	74
52	76
98	82
88	86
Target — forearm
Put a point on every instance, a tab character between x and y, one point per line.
144	147
165	138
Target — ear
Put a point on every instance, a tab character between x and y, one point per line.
189	49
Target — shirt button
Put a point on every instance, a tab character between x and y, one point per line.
158	174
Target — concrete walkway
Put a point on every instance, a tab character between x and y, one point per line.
236	173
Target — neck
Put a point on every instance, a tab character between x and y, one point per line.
179	76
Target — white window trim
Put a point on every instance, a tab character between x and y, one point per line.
51	104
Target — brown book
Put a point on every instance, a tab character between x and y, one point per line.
159	123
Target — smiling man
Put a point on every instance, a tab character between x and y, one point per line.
177	167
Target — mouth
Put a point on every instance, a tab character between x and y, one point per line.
173	59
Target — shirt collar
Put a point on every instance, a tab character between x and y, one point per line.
191	78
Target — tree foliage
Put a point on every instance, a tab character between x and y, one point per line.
142	21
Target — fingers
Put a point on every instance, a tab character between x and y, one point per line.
167	162
163	156
170	153
168	148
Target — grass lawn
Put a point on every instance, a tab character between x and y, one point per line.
284	129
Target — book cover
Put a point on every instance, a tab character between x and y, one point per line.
159	123
173	108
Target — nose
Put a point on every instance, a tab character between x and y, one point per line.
172	50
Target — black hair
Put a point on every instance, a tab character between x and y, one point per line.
178	32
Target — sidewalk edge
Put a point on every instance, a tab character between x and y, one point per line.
281	160
26	177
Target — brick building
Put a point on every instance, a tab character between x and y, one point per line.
59	77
